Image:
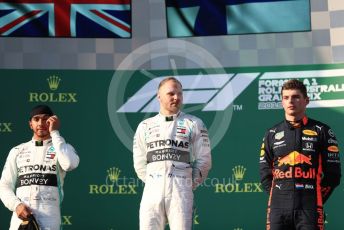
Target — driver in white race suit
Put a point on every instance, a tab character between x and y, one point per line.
172	156
32	178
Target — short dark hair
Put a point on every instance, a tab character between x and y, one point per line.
41	109
169	79
294	84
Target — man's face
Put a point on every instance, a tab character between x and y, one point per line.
39	126
170	96
294	103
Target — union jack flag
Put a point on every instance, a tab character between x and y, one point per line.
65	18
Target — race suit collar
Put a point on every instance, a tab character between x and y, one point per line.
40	142
169	118
303	122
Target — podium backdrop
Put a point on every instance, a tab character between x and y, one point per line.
100	110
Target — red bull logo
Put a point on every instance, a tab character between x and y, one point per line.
294	158
296	173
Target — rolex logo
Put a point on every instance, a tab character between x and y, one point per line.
238	229
113	174
114	185
239	172
237	185
53	82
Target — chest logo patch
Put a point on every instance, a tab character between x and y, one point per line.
51	153
279	135
310	132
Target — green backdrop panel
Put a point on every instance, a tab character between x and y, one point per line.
100	111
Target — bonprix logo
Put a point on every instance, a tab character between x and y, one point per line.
325	88
114	184
53	84
237	185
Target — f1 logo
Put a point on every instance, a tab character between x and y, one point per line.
217	91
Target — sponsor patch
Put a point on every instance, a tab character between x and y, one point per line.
279	135
332	141
299	186
333	148
309	147
309	186
294	158
310	132
331	133
51	153
279	142
314	139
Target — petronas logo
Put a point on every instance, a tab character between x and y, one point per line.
239	172
53	82
113	174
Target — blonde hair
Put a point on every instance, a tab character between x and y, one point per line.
169	79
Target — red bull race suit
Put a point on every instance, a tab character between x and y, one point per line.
299	168
172	156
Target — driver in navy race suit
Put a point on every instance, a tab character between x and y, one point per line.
299	165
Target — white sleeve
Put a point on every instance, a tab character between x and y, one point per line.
140	152
66	154
201	153
8	181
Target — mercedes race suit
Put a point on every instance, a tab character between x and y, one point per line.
33	174
172	156
299	168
